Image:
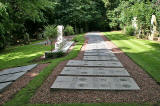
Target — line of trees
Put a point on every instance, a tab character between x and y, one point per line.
22	20
121	13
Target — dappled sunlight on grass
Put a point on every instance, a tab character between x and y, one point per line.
20	55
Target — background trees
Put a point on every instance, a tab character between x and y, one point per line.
24	19
123	11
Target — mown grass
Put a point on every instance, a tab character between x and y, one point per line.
23	96
144	52
21	55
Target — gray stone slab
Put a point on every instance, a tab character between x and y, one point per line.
17	69
95	83
100	58
98	51
97	46
94	71
11	77
66	46
94	63
4	85
98	54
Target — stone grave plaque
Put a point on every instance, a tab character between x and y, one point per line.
4	85
94	83
98	54
11	77
17	69
94	71
82	63
100	58
95	47
98	51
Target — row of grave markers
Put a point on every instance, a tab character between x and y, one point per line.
154	27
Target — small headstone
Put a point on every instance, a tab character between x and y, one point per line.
95	83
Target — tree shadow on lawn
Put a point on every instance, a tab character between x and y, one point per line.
20	55
120	35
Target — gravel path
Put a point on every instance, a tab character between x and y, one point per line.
20	83
149	92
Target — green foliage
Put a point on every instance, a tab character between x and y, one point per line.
2	42
123	14
24	15
26	38
78	39
51	33
54	55
59	54
68	30
81	14
129	30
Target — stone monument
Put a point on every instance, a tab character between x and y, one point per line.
61	45
60	41
134	24
154	31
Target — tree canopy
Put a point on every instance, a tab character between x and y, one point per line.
19	18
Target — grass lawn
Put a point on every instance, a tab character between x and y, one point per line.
21	55
144	52
24	95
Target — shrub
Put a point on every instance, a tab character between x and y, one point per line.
2	42
59	54
129	30
54	55
51	33
26	38
68	30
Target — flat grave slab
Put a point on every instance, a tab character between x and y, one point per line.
94	71
11	77
95	83
17	69
82	63
98	54
4	85
100	58
98	51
